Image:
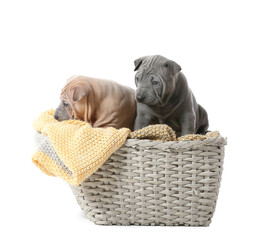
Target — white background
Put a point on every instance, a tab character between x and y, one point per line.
224	48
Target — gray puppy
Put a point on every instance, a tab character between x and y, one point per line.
163	97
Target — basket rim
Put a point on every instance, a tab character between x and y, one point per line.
163	145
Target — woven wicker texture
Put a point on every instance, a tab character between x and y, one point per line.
149	182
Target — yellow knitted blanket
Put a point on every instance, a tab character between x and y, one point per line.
83	149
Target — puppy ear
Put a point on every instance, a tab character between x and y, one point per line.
138	62
175	67
79	93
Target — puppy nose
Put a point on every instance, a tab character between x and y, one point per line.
55	116
139	97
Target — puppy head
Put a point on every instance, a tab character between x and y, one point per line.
75	102
155	79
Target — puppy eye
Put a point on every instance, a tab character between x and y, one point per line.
166	65
155	82
65	104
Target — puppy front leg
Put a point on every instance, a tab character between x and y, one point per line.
188	123
141	121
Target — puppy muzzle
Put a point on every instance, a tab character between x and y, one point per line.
140	97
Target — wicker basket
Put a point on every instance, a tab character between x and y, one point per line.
149	182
